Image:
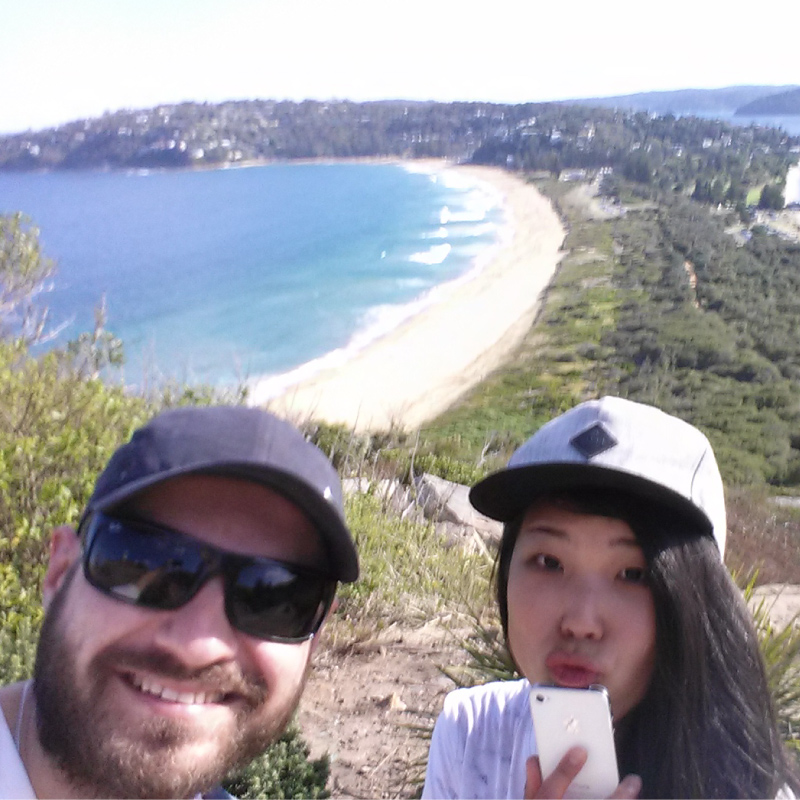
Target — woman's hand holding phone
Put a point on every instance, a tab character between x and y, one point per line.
575	743
557	783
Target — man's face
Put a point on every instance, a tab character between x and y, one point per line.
137	702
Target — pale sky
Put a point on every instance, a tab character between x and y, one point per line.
66	59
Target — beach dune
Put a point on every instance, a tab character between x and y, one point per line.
471	326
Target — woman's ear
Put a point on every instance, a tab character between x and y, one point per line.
65	549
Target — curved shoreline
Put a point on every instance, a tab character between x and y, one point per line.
423	366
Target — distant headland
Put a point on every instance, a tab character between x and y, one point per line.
202	135
782	103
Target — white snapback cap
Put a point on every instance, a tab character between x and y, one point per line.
619	444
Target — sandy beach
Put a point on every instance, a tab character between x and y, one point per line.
791	192
420	368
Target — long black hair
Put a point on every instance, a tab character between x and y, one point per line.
706	726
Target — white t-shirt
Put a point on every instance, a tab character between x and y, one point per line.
481	741
14	781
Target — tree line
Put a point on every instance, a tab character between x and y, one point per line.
658	151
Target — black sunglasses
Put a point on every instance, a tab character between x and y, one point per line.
155	567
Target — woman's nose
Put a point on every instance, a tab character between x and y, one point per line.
583	610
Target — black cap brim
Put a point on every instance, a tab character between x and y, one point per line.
506	494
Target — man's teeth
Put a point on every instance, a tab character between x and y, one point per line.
189	698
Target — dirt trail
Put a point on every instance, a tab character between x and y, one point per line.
366	707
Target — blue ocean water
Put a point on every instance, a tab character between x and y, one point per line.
228	275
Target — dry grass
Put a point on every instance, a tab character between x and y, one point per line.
762	538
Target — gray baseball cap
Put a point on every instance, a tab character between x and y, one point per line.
238	442
615	443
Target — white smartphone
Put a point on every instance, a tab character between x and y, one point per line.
564	718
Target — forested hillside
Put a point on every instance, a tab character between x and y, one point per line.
539	136
780	103
660	304
682	101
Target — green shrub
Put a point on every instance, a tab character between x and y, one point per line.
19	633
408	569
57	431
283	771
781	649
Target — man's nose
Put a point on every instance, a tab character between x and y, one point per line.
199	633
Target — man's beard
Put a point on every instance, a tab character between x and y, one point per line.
104	759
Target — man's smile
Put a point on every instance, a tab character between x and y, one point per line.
151	687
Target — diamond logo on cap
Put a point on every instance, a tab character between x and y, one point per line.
593	441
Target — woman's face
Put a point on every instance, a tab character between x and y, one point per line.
580	610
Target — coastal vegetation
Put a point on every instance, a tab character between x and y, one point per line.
659	151
705	102
668	294
660	305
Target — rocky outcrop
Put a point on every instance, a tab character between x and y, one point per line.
442	502
445	501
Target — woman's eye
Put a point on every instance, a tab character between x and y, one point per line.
634	575
545	562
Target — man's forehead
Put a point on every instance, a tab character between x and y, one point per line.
232	513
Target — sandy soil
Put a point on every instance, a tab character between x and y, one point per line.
371	707
786	222
423	366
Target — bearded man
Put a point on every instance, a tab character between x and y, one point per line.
182	614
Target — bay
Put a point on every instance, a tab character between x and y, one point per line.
223	276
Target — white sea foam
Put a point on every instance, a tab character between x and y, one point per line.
435	255
377	322
422	168
481	193
380	321
457	180
414	283
466	231
462	230
265	388
468	215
